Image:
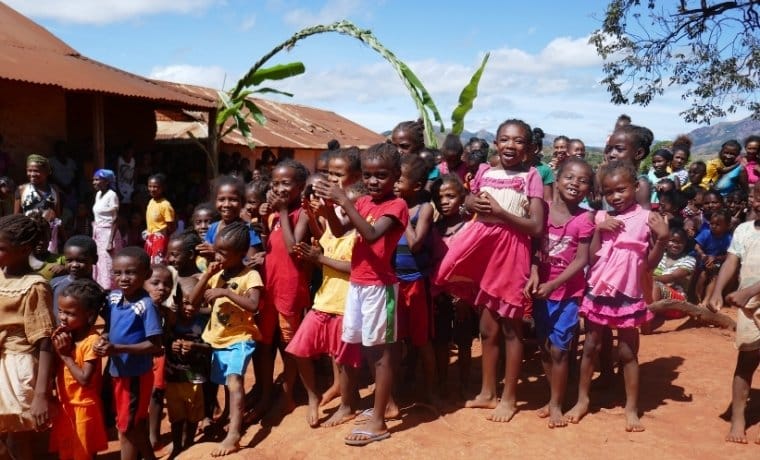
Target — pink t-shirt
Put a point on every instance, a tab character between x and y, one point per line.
461	170
371	263
558	251
752	177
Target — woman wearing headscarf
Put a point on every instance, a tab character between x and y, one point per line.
37	195
105	232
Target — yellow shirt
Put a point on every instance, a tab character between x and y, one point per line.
711	175
331	296
229	323
26	312
158	215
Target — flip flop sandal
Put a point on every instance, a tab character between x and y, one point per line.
370	437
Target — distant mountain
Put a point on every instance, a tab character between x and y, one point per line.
708	139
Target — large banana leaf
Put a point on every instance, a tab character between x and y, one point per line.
466	98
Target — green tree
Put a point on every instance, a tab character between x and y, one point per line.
709	48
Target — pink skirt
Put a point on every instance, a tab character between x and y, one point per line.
319	334
488	266
617	312
102	271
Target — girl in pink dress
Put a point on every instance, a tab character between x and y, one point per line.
488	265
628	242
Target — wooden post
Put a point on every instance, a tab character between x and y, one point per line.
212	145
98	131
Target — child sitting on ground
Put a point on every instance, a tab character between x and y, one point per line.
711	248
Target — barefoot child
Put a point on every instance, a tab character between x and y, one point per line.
186	367
558	282
320	332
711	249
132	337
628	242
454	319
79	429
370	314
25	329
413	268
743	255
233	291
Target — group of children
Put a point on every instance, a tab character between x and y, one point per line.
376	250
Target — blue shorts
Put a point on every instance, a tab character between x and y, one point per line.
556	320
231	360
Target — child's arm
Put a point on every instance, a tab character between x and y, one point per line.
675	276
39	408
63	347
291	236
200	287
370	232
726	273
248	301
415	237
151	345
313	254
533	225
311	208
660	234
579	263
644	193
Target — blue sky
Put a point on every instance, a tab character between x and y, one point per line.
541	69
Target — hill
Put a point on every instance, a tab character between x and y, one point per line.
708	139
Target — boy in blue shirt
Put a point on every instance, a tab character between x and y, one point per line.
133	336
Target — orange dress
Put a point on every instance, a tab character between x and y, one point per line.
79	429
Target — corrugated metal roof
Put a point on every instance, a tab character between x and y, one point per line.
29	53
287	126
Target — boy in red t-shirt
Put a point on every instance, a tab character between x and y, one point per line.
370	315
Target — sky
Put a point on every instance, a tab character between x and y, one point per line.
541	70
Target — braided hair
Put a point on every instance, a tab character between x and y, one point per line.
87	293
236	235
21	230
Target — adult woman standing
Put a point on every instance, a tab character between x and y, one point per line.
104	229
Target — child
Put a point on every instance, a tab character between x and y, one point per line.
25	330
453	318
631	143
409	137
711	248
203	216
732	175
560	145
46	263
558	282
452	151
78	429
182	255
320	331
576	148
412	265
628	242
510	211
81	254
659	171
159	287
133	336
751	150
546	172
672	275
681	152
233	290
255	196
159	218
186	367
696	175
742	256
370	316
287	277
736	202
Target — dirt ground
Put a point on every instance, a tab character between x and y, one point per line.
686	372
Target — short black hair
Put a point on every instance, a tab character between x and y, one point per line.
415	169
618	167
85	243
237	235
188	238
159	177
384	152
230	181
350	155
207	207
301	172
137	253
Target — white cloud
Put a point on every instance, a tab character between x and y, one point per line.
331	11
212	77
559	54
248	23
101	12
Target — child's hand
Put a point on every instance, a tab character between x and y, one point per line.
256	261
40	410
481	204
330	192
265	209
279	203
532	284
62	343
544	290
659	226
610	224
57	269
212	294
214	268
205	249
714	303
177	346
187	347
738	298
104	347
308	252
709	262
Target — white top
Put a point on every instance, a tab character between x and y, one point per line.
106	207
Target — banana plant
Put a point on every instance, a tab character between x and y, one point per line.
466	98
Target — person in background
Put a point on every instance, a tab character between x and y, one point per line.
105	232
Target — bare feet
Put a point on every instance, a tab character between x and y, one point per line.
578	411
331	393
633	423
482	402
340	416
229	445
543	412
737	434
312	416
503	412
556	418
